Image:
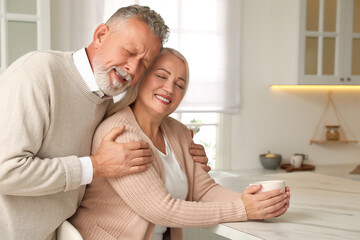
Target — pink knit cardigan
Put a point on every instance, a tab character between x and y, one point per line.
129	206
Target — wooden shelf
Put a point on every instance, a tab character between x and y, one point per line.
337	141
332	131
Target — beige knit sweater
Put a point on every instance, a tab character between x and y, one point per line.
129	206
47	119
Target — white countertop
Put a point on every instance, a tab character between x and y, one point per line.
339	170
321	206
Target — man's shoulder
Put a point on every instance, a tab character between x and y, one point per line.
44	56
38	61
38	69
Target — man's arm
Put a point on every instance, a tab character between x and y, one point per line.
24	123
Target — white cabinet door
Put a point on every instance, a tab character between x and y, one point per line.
25	27
352	55
329	51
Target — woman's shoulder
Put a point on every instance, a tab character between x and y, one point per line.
176	127
124	117
169	121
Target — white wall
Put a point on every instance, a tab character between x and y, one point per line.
281	121
73	23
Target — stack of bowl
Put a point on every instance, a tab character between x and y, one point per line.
270	160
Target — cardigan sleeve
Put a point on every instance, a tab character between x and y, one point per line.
207	190
145	193
24	122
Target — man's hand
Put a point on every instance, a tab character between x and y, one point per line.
267	204
199	155
118	159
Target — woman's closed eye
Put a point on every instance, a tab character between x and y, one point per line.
179	85
161	76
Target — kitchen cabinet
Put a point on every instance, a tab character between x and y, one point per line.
329	42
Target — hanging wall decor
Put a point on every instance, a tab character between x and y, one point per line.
336	131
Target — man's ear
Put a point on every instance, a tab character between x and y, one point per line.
101	31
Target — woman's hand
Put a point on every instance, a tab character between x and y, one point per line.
266	204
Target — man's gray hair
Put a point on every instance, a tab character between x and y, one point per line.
155	22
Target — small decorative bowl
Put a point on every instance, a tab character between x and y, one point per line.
270	162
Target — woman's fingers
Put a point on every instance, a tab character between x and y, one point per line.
277	213
264	205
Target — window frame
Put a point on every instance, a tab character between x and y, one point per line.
41	18
222	138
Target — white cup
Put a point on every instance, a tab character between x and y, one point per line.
296	161
270	185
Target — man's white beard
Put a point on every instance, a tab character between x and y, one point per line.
110	87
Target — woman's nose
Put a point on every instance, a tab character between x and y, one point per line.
169	86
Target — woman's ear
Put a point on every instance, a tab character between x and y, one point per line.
101	31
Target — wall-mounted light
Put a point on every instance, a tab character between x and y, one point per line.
316	87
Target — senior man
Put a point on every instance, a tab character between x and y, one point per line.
50	104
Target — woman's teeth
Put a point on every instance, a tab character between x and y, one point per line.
162	98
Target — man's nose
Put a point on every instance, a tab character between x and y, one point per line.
132	65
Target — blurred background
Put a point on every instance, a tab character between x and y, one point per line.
260	71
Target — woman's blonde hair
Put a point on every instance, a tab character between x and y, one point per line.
132	92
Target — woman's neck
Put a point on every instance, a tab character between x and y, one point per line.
150	125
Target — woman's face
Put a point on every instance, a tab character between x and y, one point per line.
163	87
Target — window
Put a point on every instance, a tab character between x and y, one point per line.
205	127
207	33
25	27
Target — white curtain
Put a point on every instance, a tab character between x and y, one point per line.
207	32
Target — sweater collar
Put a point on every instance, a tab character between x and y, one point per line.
79	81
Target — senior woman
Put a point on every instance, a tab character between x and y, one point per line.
174	192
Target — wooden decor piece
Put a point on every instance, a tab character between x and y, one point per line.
304	167
356	170
334	133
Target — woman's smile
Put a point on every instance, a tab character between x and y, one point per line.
163	98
